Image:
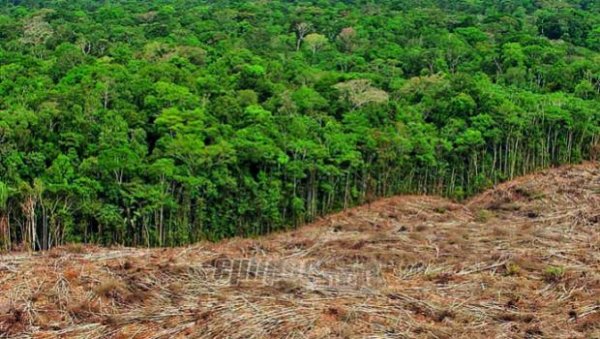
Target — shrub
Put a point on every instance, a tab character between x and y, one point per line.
483	216
553	274
513	269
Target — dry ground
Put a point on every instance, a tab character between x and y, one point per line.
519	261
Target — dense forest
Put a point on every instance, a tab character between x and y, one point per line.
164	122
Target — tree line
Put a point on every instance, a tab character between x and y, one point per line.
165	122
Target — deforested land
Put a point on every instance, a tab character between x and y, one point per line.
168	122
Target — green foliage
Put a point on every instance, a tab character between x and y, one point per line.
553	273
3	195
512	269
163	123
484	216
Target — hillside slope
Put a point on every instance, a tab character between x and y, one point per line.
521	260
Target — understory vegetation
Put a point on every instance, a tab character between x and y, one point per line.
165	122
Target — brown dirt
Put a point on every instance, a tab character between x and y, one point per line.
519	261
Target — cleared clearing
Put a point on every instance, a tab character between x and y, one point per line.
521	260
